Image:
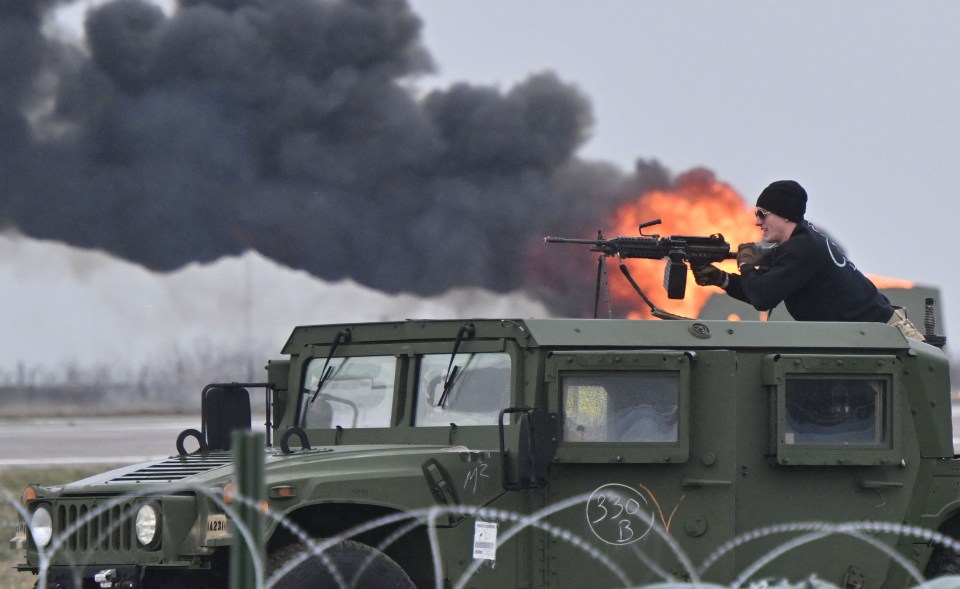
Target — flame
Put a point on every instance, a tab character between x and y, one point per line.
886	282
698	204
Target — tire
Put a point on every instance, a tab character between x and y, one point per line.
359	565
942	562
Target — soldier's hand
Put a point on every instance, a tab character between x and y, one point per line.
709	275
747	253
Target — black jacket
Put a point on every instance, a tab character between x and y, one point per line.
813	276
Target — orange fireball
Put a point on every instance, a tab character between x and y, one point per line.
885	282
698	204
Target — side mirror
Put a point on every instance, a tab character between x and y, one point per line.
536	444
224	409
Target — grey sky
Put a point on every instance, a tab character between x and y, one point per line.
856	100
859	101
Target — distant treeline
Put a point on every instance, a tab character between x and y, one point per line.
174	380
62	394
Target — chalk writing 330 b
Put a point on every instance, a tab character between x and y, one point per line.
618	514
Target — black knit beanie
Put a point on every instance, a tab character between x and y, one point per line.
785	198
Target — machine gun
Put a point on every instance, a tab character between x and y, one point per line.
677	249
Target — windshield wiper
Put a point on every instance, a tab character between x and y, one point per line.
341	337
466	330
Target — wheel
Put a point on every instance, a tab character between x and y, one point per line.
359	565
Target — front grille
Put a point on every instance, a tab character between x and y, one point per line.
96	527
176	469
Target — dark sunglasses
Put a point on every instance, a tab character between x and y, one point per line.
762	214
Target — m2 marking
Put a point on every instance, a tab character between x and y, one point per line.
474	475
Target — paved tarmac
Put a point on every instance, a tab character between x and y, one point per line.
63	441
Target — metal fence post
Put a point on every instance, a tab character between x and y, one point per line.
250	494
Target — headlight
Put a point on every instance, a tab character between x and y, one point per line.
148	526
41	526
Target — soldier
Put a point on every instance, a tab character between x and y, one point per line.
805	269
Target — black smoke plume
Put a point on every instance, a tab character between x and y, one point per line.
293	127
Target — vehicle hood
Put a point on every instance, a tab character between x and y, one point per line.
338	463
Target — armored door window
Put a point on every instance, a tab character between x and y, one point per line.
353	392
471	391
621	407
836	411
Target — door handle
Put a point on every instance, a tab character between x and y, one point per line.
867	484
688	482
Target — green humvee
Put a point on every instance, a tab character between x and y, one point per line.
546	453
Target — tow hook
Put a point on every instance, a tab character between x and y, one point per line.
108	580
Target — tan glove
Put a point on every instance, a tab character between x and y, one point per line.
709	275
748	254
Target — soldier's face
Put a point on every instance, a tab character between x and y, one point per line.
775	229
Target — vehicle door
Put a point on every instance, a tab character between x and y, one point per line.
841	449
641	489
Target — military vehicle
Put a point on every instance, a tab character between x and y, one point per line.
545	453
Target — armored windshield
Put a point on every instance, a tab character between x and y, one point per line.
479	390
357	392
